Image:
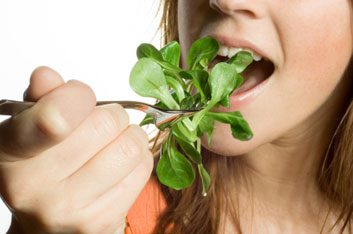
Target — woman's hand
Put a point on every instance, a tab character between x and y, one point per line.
67	166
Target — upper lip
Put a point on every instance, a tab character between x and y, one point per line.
240	43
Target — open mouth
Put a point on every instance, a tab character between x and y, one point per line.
254	74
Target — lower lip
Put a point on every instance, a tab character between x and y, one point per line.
241	99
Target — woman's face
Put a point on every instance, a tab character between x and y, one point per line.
309	43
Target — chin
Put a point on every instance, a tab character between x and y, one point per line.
223	143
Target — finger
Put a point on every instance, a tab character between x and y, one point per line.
43	80
110	165
48	122
114	204
101	127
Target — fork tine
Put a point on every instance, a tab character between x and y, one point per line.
166	119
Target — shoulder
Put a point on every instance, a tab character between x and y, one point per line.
142	216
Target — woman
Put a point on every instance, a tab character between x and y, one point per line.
294	176
287	179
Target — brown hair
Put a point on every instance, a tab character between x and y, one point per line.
189	212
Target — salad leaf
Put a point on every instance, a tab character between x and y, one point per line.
240	128
179	130
148	80
147	120
177	87
171	53
205	178
190	150
199	79
202	52
225	101
174	170
241	61
223	79
188	103
157	74
206	126
146	50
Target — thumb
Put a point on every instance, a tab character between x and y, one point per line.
60	109
43	80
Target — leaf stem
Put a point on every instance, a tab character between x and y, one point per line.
170	102
198	145
199	115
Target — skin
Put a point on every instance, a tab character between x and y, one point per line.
65	164
310	44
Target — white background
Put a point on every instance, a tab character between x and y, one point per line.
92	41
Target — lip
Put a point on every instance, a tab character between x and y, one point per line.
240	43
244	98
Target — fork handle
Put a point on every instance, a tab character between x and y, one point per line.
127	104
11	107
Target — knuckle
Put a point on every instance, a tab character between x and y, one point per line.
122	113
85	88
49	212
108	123
53	216
129	146
18	194
55	224
140	135
132	142
50	123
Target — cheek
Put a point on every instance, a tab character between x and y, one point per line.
317	46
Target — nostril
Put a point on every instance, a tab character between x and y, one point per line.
231	7
248	13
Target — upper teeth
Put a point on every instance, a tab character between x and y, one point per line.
231	51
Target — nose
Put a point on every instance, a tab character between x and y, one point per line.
250	8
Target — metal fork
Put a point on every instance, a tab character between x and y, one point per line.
162	118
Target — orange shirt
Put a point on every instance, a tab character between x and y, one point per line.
142	216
